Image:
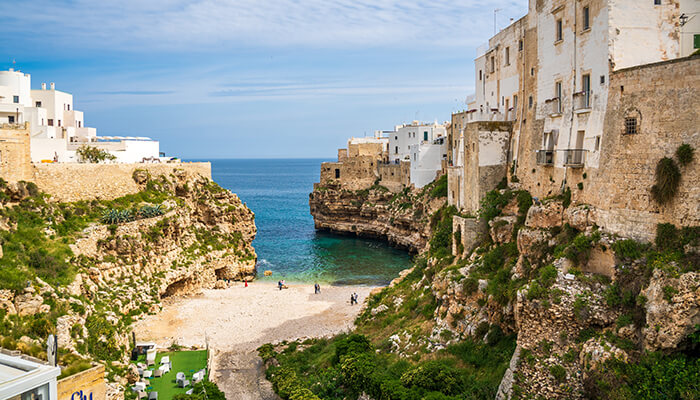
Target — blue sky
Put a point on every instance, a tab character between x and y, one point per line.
252	78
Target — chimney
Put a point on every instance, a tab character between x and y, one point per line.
43	86
53	86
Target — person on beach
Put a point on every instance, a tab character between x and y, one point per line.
279	283
352	299
317	288
355	296
246	282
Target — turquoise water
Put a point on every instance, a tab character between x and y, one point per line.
287	243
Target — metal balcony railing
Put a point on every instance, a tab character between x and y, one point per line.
574	158
545	157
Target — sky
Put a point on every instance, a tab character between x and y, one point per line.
253	78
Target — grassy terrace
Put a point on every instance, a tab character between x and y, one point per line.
188	362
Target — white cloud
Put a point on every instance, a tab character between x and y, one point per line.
193	25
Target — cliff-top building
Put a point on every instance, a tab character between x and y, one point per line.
561	78
56	129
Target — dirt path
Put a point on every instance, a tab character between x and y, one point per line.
237	320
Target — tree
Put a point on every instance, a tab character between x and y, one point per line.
92	154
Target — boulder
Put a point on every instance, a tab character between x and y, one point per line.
669	322
547	215
501	228
531	242
578	217
28	304
7	301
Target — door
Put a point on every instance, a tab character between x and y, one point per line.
586	91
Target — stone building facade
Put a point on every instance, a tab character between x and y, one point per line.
573	78
15	152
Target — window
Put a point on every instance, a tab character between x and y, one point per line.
396	138
15	99
597	143
515	102
38	104
59	122
396	150
630	126
657	2
425	135
337	173
68	105
586	18
529	102
50	122
507	55
557	95
80	124
560	32
520	45
11	119
586	91
602	79
493	63
532	71
479	74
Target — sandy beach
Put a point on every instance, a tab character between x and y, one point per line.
235	321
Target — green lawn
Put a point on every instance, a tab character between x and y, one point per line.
188	362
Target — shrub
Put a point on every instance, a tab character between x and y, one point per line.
352	344
470	285
667	237
558	372
685	154
668	177
434	376
92	154
579	249
357	372
439	188
628	249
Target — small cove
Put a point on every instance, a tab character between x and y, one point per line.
277	190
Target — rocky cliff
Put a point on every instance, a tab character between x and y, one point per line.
544	305
86	270
402	218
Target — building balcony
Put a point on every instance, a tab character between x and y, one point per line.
574	158
582	101
545	158
553	107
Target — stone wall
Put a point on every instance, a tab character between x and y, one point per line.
395	177
485	157
352	173
664	97
73	182
15	156
90	382
469	231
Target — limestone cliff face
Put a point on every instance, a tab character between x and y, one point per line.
401	219
200	237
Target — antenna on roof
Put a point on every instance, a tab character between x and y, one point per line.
495	11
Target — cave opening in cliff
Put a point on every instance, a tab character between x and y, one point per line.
221	274
183	286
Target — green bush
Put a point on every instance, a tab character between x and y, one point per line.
579	249
90	154
628	249
433	376
667	237
470	285
685	154
441	223
558	372
439	187
668	178
352	344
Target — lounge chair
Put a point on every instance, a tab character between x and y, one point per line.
153	396
142	395
189	391
180	376
165	360
183	383
148	373
158	373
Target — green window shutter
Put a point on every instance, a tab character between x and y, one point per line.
696	41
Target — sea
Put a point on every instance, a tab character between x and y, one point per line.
277	190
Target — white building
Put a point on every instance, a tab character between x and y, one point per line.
57	129
426	160
403	136
25	380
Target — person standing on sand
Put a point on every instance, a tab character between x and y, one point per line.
317	288
352	299
279	284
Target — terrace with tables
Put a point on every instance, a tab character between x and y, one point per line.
164	375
